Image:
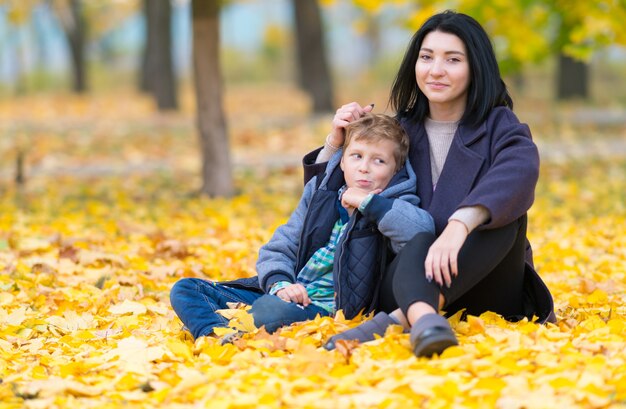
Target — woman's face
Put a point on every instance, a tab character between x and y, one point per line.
443	74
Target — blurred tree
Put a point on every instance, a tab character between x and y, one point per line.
572	78
582	28
72	17
157	68
18	16
217	177
313	72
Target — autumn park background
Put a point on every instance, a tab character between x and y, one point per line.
138	146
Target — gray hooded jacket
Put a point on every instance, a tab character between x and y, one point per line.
389	220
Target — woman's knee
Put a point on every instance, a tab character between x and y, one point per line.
409	279
420	243
410	263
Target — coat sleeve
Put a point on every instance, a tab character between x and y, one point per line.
312	169
399	219
507	189
277	258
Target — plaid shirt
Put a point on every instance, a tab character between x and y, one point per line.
317	274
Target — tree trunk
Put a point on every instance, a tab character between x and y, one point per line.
74	25
157	67
144	71
572	78
216	165
20	178
313	72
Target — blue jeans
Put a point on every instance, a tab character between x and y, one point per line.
195	301
271	311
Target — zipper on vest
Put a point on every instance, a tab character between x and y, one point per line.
347	232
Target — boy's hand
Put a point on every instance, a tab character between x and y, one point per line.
353	196
294	293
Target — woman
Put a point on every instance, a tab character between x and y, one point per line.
477	168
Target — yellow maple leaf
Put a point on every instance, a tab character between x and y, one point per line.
239	318
597	297
179	349
128	307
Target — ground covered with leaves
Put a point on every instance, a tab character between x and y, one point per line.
106	223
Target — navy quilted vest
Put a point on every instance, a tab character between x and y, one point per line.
357	266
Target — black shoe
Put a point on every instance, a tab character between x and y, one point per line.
432	335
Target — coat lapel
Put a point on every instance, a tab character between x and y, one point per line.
419	152
457	177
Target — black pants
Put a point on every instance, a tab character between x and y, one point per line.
491	274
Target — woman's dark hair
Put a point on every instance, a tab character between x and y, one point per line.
486	88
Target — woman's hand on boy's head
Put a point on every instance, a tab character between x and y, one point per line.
344	115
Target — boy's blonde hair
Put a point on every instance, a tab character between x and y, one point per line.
372	128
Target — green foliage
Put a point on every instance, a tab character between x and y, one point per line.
529	31
587	26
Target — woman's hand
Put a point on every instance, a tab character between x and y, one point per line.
441	261
294	293
344	115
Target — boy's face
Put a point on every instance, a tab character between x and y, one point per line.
368	166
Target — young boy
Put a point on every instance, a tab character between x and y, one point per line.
332	250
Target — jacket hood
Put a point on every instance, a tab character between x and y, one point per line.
403	182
